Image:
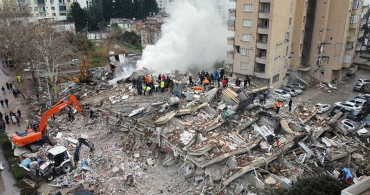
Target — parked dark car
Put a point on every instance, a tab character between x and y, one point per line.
356	115
336	110
367	120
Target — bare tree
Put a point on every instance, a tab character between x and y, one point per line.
48	49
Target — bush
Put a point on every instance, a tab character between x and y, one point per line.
26	189
323	185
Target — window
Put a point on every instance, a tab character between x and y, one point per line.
244	65
305	5
248	7
300	46
244	52
63	14
260	68
265	7
263	23
275	79
354	19
356	4
246	37
54	14
347	59
52	2
304	19
262	53
349	45
247	22
290	21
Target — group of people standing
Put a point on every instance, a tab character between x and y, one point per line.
11	117
150	83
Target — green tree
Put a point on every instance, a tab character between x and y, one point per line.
78	15
94	17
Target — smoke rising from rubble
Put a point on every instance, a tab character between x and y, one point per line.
193	37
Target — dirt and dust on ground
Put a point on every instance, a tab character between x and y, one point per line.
201	142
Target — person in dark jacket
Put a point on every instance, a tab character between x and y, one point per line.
19	113
6	102
7	118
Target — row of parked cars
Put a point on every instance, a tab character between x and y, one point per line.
359	108
362	85
288	91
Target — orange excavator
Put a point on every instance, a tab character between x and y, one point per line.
29	136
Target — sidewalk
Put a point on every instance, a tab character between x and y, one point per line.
7	180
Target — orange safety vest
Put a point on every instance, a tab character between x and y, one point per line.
206	81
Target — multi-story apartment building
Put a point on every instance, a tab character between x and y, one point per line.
334	38
310	37
262	39
44	9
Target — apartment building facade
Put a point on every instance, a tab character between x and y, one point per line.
334	38
262	39
44	9
275	39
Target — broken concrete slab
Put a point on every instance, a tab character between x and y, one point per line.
164	119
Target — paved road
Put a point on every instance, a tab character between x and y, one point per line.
7	181
344	92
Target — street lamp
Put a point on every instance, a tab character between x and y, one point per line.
47	82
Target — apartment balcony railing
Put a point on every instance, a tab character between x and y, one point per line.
349	48
231	25
232	13
262	75
264	15
42	10
263	29
262	45
62	4
23	4
230	54
353	25
265	1
261	60
41	3
304	68
230	40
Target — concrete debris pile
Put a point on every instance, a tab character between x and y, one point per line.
219	141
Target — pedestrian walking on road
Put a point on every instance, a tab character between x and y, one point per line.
290	104
2	103
7	86
6	118
14	119
17	118
6	102
3	89
19	113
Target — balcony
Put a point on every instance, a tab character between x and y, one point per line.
349	48
232	13
232	0
304	68
231	25
42	10
353	25
262	75
351	38
363	22
62	4
22	4
262	45
261	60
230	54
264	15
62	8
263	30
265	1
230	40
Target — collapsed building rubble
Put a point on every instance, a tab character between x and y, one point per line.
213	139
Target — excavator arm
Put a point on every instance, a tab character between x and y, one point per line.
80	142
56	108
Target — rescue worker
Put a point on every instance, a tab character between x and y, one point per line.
277	106
206	83
19	113
6	118
162	86
19	79
17	119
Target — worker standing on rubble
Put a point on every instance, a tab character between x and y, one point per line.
245	83
133	83
277	106
206	83
262	99
190	81
237	82
162	86
19	79
347	176
290	104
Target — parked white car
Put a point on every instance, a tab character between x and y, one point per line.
322	107
349	106
363	81
349	125
280	94
295	89
358	101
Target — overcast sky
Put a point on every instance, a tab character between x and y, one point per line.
367	2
